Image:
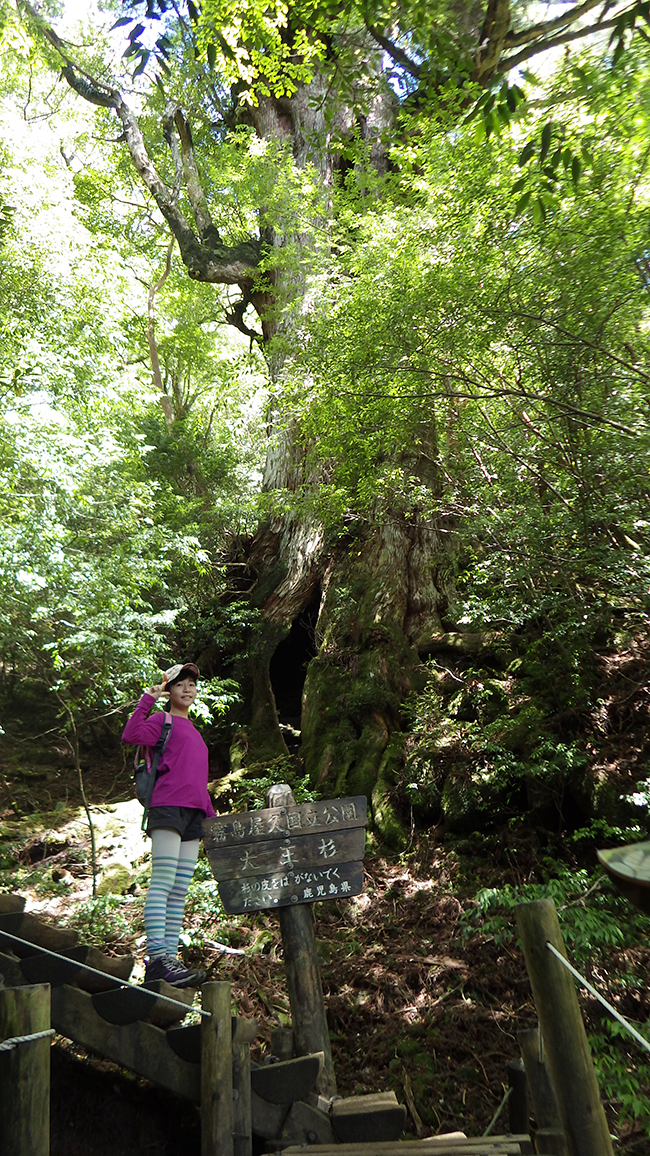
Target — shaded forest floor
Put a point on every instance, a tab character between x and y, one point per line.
419	1000
424	983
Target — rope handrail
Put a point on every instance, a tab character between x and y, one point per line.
104	974
601	999
14	1041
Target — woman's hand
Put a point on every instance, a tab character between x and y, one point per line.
156	691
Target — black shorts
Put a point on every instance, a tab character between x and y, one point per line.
188	821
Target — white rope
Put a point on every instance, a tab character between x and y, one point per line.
105	975
9	1045
612	1010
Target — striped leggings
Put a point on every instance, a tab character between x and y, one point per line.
172	867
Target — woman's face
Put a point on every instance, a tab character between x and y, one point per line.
182	693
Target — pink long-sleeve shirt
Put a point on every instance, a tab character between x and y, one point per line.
182	779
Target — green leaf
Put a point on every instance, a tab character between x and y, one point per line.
212	55
142	65
121	22
518	185
522	203
224	46
193	11
511	99
546	141
526	153
576	169
135	32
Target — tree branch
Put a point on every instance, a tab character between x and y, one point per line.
204	222
395	51
553	42
205	257
514	39
151	338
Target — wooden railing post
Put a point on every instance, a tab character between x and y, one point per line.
309	1018
243	1034
216	1072
25	1072
566	1048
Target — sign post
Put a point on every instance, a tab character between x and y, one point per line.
289	856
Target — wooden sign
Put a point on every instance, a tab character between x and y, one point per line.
260	892
288	855
280	822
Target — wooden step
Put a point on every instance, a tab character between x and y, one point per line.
306	1125
434	1146
164	1014
10	970
38	967
10	903
119	966
46	969
186	1042
366	1119
141	1047
127	1005
31	929
289	1080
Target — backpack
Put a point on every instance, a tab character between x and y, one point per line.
145	766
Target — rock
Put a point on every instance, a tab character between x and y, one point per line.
116	879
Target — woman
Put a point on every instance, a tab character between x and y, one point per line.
179	804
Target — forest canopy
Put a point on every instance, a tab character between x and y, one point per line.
323	327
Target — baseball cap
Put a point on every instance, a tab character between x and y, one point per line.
181	669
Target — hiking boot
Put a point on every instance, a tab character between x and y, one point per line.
170	969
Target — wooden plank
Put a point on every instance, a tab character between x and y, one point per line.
541	1093
186	1042
119	966
550	1142
216	1072
290	889
267	1118
309	1019
287	820
241	1087
124	1005
307	1125
46	969
31	929
140	1047
518	1113
301	855
163	1014
10	971
450	1145
567	1054
362	1119
351	1104
282	1043
287	1081
10	902
25	1073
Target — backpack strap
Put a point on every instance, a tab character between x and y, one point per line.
159	750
